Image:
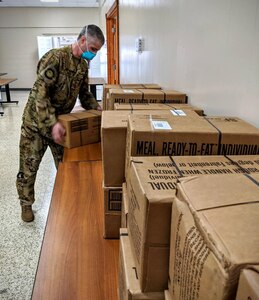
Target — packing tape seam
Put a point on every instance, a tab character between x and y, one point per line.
220	134
177	168
252	179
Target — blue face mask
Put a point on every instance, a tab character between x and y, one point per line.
88	55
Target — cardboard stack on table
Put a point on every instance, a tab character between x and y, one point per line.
108	87
139	93
113	136
149	151
151	190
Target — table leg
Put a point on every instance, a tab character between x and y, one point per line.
8	96
93	90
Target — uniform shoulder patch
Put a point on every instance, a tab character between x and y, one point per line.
49	73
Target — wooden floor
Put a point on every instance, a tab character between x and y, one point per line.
76	262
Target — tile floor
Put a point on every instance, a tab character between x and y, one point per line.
20	242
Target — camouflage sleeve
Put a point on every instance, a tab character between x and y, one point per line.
47	73
86	98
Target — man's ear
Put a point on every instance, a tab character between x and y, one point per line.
83	38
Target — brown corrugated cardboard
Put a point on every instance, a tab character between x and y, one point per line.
248	285
124	207
214	234
237	137
167	295
129	288
112	211
147	96
157	106
172	96
178	135
152	96
106	88
82	128
151	184
113	136
152	86
123	96
132	86
170	135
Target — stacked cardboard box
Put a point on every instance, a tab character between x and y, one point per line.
143	96
82	128
167	295
170	135
124	207
248	286
178	108
112	211
214	234
190	134
151	185
114	132
107	87
113	135
129	287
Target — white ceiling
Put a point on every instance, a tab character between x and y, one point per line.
38	3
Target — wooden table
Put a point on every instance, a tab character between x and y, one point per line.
76	262
5	82
83	153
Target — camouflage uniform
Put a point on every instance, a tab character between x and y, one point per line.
61	77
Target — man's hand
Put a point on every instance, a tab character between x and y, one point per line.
58	132
99	108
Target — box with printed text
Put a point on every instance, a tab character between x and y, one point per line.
82	128
151	186
213	235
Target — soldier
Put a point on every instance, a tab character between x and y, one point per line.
62	76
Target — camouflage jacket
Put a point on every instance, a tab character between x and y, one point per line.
61	77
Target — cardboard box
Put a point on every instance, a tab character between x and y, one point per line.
172	96
123	96
124	207
152	95
151	186
157	106
248	286
106	88
214	234
140	95
237	137
113	136
82	128
181	135
132	86
152	86
167	295
112	211
129	288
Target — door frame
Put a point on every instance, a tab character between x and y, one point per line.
113	60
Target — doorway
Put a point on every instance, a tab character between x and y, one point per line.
112	31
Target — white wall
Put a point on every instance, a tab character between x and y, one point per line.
206	48
19	28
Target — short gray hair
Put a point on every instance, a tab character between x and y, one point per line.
92	31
